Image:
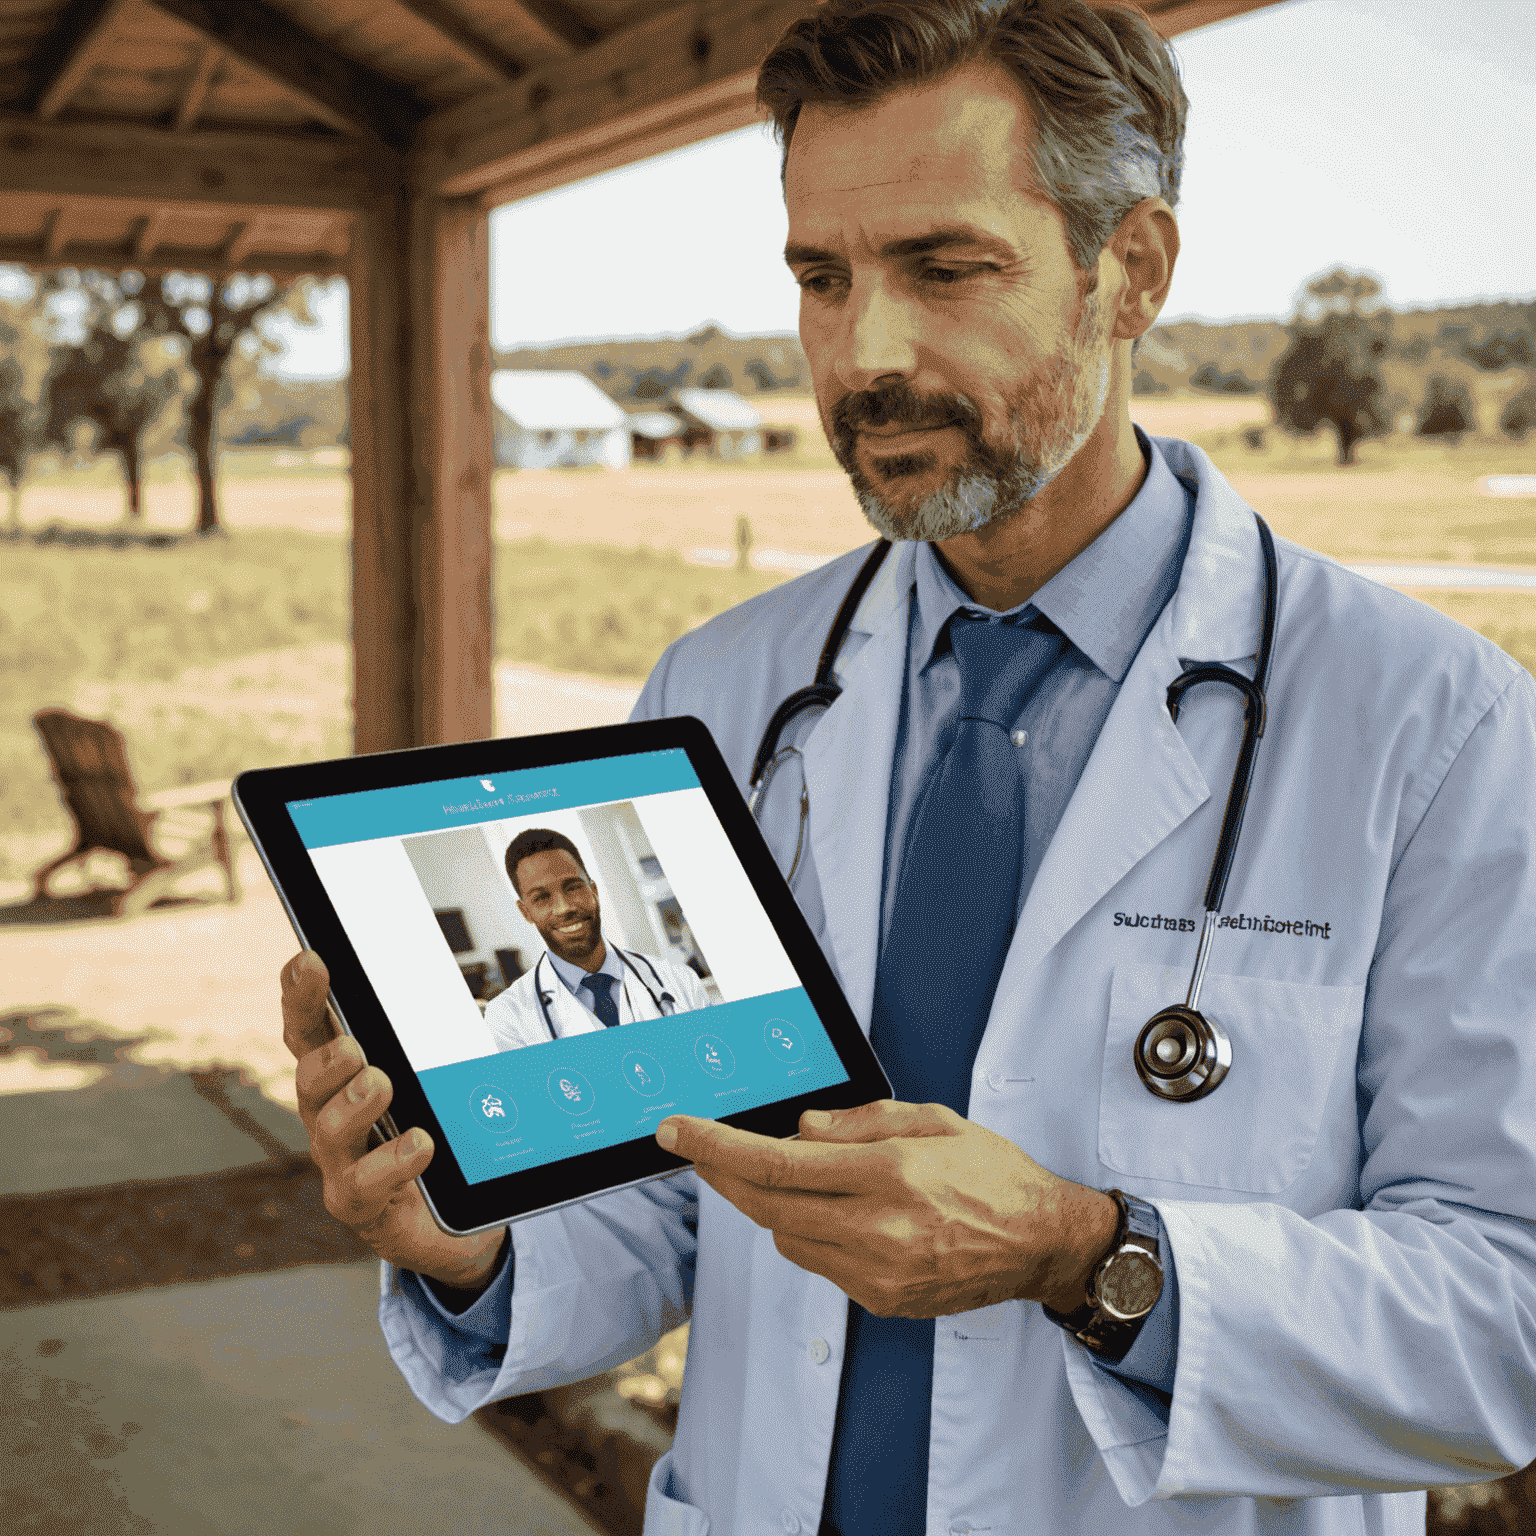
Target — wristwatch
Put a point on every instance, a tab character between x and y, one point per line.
1124	1286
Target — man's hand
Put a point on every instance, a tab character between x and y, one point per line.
908	1208
371	1192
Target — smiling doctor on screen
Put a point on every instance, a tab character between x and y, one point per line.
1206	1199
581	982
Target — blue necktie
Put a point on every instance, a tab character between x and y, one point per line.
956	899
603	1005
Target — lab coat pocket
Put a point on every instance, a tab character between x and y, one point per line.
1255	1132
668	1516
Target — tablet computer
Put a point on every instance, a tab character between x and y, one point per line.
461	896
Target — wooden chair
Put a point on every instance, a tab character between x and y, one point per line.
90	766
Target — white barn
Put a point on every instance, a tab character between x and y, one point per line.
719	421
545	420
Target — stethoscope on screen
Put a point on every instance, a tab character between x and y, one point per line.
661	999
1180	1054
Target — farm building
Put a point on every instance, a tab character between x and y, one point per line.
655	435
555	420
720	422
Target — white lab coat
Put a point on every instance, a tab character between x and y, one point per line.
515	1018
1350	1213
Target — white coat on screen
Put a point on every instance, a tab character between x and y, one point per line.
516	1018
1352	1213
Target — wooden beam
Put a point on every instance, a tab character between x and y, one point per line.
421	474
196	93
54	60
165	258
1171	17
84	53
559	23
147	236
476	50
242	239
55	232
119	161
334	87
684	71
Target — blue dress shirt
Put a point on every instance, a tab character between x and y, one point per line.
1105	601
573	975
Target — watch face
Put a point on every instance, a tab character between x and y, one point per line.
1129	1284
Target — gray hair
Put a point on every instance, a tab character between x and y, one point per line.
1103	88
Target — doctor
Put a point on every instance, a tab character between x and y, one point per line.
900	1322
581	983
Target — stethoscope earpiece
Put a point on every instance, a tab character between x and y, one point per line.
1182	1055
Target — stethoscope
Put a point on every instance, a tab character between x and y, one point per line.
1180	1054
658	998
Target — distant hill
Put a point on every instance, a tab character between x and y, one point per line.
635	371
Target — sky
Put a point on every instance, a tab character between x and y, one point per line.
1389	135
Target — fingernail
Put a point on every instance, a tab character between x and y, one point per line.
360	1087
666	1134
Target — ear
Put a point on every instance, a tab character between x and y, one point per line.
1143	251
527	915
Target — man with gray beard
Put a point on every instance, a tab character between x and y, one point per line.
1060	1282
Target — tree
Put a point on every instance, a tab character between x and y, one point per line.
212	317
1519	414
23	386
1447	409
206	319
1331	371
106	382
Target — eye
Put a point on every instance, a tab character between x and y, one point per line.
946	277
819	283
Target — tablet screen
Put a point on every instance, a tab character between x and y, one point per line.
479	909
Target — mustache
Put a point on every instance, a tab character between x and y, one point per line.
900	405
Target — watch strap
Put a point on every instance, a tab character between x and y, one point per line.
1109	1337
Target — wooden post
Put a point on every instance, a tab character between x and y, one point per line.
421	474
452	396
383	595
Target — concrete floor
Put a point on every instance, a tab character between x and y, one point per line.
258	1406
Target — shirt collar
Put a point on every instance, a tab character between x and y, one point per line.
574	975
1106	598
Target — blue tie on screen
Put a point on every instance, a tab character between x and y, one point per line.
956	898
601	988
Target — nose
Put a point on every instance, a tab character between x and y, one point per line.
878	341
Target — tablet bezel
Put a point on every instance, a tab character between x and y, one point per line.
261	796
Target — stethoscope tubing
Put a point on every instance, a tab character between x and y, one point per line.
1213	1046
545	997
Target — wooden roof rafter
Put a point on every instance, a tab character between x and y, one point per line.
70	54
197	87
340	91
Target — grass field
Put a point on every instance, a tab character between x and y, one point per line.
220	655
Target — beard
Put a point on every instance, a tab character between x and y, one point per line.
1050	416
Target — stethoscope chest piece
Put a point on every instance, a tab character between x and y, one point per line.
1182	1055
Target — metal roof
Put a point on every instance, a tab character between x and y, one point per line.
655	424
540	401
721	410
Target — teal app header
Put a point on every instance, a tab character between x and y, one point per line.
409	808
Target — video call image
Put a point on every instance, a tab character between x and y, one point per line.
562	923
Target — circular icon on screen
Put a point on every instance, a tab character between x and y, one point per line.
571	1092
714	1055
492	1108
643	1073
783	1040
